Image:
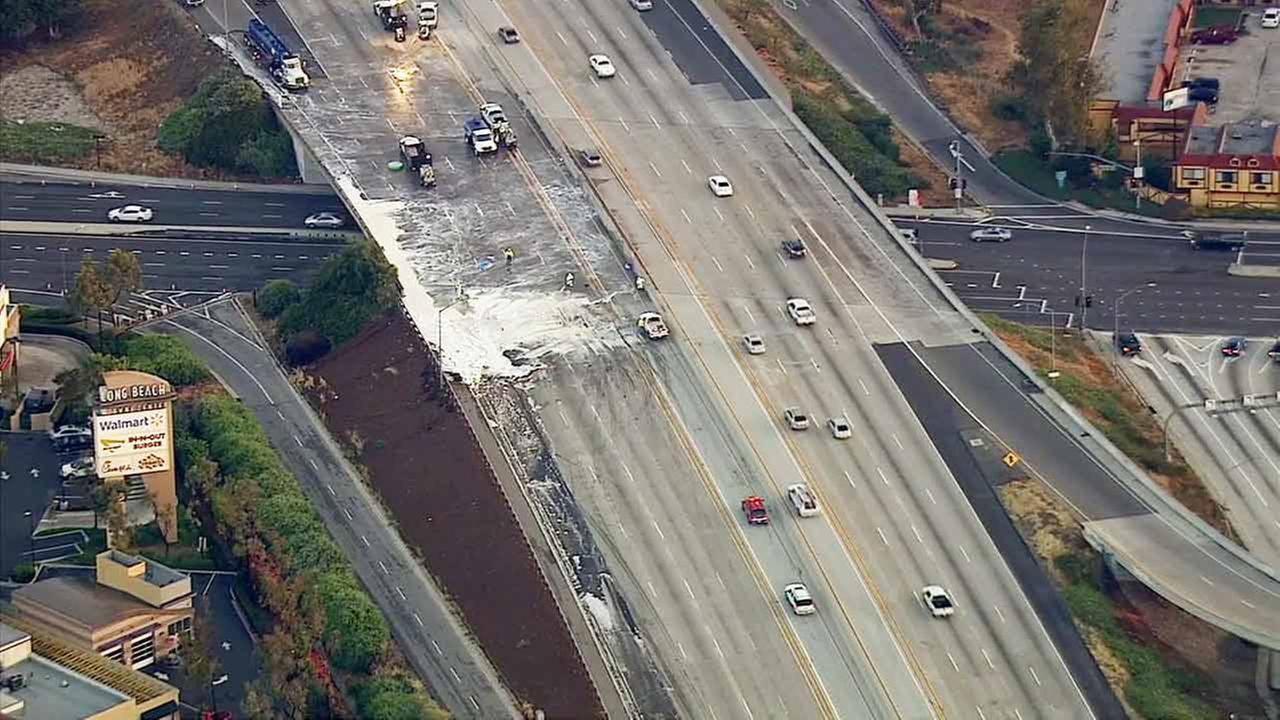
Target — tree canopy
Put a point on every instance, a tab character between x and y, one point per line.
1054	75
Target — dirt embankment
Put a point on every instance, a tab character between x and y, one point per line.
432	476
120	68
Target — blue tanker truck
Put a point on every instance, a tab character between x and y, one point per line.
271	52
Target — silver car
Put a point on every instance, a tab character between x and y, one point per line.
991	234
324	220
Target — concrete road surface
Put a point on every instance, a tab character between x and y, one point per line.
435	642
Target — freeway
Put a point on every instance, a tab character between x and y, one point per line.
50	261
1236	453
1036	277
28	197
721	274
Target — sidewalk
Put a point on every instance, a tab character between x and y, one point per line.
34	173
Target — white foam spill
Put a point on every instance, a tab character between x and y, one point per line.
599	610
493	332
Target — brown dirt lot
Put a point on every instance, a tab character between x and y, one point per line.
130	63
431	475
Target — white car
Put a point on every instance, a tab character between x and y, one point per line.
754	344
129	213
324	220
492	113
796	419
69	431
652	325
720	186
602	66
80	468
991	234
800	311
937	601
840	428
642	5
799	599
803	500
1271	18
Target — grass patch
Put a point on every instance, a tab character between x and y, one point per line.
857	134
42	142
1210	16
1155	688
1087	382
1028	169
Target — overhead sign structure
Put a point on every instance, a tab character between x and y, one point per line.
132	443
1175	99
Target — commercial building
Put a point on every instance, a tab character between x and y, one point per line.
10	324
1145	130
1234	165
44	679
133	613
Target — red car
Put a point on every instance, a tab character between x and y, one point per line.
753	508
1216	35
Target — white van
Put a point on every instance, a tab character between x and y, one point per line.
642	5
428	13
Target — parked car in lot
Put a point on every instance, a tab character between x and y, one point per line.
78	468
69	431
1206	95
1234	347
1216	35
991	234
1271	18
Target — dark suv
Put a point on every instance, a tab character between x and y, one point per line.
1128	344
1233	347
1216	35
1231	242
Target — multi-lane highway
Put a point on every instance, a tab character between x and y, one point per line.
1036	277
1237	453
26	198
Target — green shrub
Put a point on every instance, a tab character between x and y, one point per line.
350	290
167	357
871	168
354	631
276	296
393	698
228	124
24	573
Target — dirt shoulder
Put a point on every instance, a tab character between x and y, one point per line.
120	69
432	477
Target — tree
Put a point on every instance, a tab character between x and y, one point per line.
119	534
1054	74
121	275
918	9
91	292
20	18
275	296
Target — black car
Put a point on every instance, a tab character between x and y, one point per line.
794	248
1233	347
1128	344
1231	242
1274	352
1203	82
1206	95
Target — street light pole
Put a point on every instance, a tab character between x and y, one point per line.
31	537
462	295
1084	298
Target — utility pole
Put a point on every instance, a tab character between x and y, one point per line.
958	182
1085	300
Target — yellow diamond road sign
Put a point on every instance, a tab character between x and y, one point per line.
1010	459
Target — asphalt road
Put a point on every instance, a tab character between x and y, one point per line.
1236	453
889	526
32	199
435	643
1036	278
50	262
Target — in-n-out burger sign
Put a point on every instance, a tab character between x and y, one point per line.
108	395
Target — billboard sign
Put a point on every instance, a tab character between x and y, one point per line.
1175	99
131	443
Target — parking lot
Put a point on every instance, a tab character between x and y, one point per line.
28	483
1247	70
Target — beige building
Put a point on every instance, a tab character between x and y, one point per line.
135	612
42	678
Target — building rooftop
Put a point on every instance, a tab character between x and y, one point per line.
156	574
81	600
109	677
53	692
1242	138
